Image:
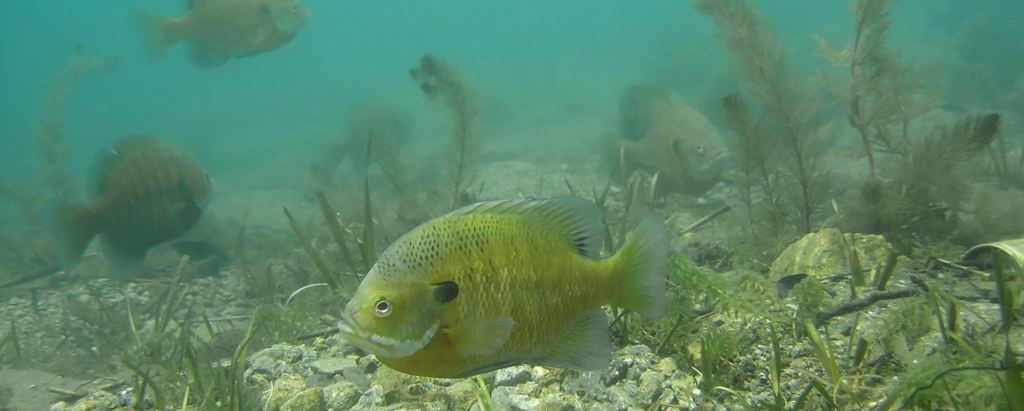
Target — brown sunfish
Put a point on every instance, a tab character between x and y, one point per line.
144	192
501	283
221	30
662	134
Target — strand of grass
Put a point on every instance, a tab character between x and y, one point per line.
158	395
820	388
823	352
743	401
775	369
207	323
366	247
851	344
856	305
301	289
668	337
335	228
950	395
172	294
324	333
706	219
631	190
654	187
31	276
891	260
483	397
131	323
1003	293
656	405
618	316
140	396
801	400
16	341
313	255
1013	387
235	371
572	192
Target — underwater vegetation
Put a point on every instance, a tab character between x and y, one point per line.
23	247
441	81
538	299
920	182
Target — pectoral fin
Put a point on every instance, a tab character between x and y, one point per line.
480	337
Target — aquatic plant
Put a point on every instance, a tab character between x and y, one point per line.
442	81
49	125
788	101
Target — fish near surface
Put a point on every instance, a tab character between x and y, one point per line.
662	134
144	192
220	30
501	283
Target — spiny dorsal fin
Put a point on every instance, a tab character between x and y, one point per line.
132	144
578	220
108	160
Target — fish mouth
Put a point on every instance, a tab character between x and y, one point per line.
349	328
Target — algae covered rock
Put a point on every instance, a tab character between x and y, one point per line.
824	254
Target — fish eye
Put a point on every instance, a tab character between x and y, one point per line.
700	148
382	308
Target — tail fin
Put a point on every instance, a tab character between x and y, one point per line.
72	226
156	28
643	261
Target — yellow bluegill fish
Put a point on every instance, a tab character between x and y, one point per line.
501	283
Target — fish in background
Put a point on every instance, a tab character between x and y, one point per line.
220	30
144	192
662	134
501	283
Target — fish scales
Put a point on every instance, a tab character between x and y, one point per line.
526	292
513	265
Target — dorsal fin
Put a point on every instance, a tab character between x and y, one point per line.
131	144
578	220
108	160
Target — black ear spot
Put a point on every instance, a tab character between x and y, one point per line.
677	148
183	185
446	291
265	9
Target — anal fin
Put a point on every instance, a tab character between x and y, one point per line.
124	260
586	347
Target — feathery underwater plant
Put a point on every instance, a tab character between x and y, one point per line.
49	124
881	98
442	81
787	100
